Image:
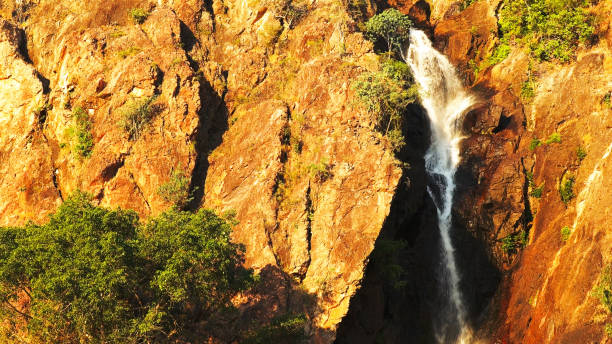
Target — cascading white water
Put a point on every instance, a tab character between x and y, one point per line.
445	100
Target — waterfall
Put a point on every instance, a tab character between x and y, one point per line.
445	100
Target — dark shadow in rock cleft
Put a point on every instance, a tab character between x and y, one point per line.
213	124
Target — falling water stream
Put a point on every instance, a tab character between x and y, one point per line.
445	100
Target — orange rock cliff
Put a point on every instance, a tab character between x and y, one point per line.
249	106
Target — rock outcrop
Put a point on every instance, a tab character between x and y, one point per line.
255	109
27	171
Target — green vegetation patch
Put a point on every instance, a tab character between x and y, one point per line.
565	233
537	191
289	328
386	94
136	114
320	171
138	15
514	241
553	138
94	275
607	100
581	153
79	134
603	292
499	54
177	190
290	12
41	112
128	52
535	143
527	90
465	4
551	29
566	188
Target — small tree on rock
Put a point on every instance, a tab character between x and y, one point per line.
391	26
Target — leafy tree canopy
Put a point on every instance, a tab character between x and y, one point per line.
391	26
98	276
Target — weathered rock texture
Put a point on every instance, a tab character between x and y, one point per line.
256	110
26	172
310	181
545	296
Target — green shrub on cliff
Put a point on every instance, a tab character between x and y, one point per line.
176	190
499	54
320	171
138	15
136	114
603	292
603	289
566	188
607	100
128	52
386	94
514	241
535	143
527	90
537	191
565	233
93	275
581	153
290	12
551	29
465	4
79	133
553	138
288	328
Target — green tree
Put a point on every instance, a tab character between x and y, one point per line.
78	270
94	275
391	26
195	269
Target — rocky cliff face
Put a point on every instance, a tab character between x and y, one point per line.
256	110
